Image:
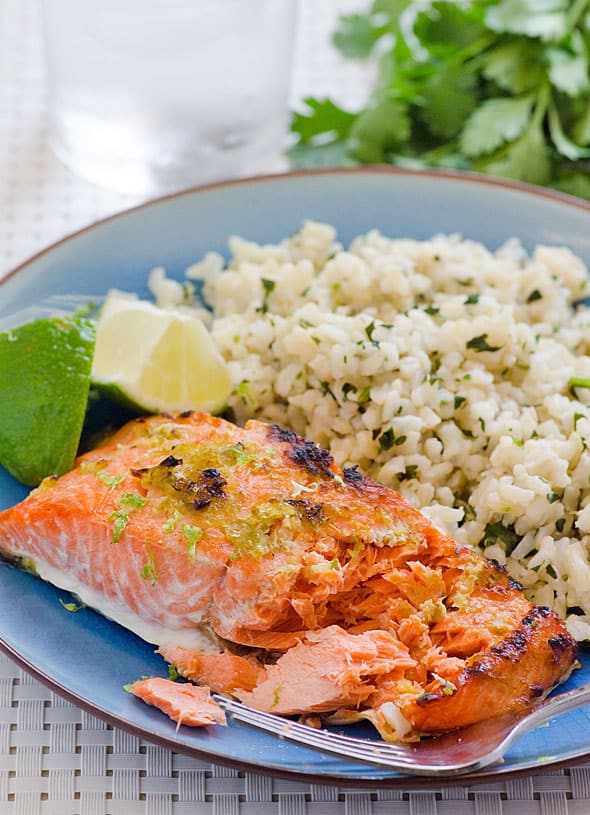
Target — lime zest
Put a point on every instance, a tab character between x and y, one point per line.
111	481
193	534
133	500
71	607
148	571
121	519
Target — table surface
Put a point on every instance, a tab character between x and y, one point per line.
56	759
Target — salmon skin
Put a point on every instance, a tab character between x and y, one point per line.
264	571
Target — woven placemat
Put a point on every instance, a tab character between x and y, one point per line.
55	759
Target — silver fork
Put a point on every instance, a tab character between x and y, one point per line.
462	751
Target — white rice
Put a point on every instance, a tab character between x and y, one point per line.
441	368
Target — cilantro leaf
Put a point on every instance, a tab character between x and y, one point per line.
401	77
447	156
525	159
514	66
568	65
506	535
356	35
319	117
581	129
495	86
495	122
386	439
448	99
410	162
334	154
546	19
481	344
409	473
574	183
379	129
564	145
393	9
444	27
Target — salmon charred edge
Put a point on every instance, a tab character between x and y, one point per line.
264	571
312	458
302	452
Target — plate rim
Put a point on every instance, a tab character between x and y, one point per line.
461	176
494	772
155	737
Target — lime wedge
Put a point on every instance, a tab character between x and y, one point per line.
44	382
157	360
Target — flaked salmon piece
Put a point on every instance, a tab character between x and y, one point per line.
187	704
223	673
194	532
329	669
269	640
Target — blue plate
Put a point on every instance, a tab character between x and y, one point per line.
87	658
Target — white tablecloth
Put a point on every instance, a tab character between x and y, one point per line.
54	758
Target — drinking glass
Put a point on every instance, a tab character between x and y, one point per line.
148	97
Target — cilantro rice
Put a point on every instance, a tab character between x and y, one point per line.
456	375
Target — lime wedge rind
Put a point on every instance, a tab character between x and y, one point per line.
45	379
56	305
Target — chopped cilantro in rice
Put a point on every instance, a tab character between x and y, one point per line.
447	371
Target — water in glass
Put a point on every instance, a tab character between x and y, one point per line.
151	96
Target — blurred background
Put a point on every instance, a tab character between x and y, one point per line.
42	200
145	98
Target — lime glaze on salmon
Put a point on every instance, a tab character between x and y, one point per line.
264	571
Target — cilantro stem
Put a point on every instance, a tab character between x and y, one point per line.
440	152
476	48
490	86
560	140
574	14
542	103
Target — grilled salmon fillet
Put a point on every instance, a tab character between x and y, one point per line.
264	571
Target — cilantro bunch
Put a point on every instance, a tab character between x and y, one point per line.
494	86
